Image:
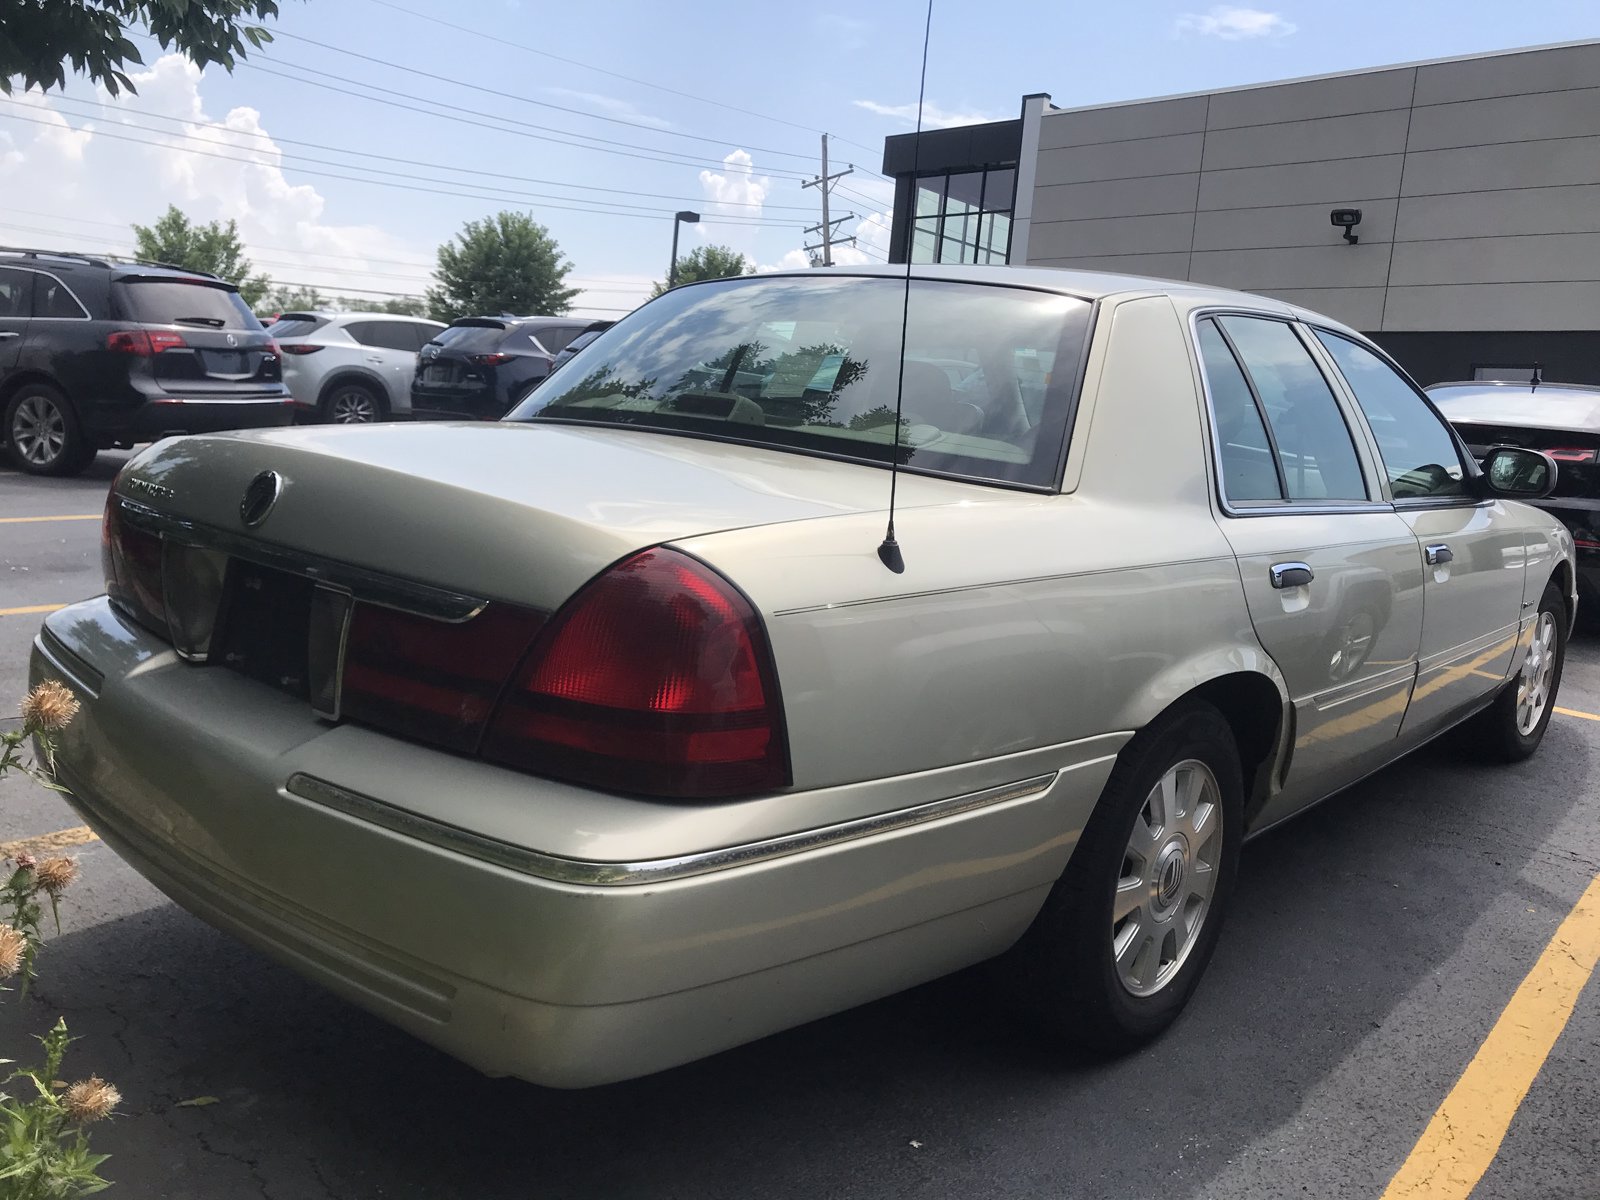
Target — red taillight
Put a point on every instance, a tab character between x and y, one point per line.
428	679
656	679
1574	454
490	360
298	348
143	343
131	557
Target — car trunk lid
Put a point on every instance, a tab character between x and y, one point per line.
203	337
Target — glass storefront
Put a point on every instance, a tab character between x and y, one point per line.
964	217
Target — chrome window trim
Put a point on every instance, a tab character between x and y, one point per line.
1270	508
593	873
386	591
82	307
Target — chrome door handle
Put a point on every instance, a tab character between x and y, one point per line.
1291	574
1438	554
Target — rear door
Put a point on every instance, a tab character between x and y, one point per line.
16	304
1472	552
390	349
1330	573
207	341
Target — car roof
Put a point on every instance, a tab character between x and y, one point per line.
1071	281
1571	406
119	268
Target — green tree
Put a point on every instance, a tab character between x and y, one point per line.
507	263
400	306
294	299
708	262
42	36
213	247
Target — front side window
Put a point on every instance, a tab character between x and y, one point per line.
1419	454
814	364
1315	452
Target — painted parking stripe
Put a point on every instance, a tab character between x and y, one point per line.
29	520
1572	712
29	608
1466	1131
49	843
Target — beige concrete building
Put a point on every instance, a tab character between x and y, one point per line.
1477	180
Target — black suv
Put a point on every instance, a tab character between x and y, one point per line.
96	352
480	366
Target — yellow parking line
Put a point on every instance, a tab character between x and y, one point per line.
29	608
48	843
1572	712
1467	1129
72	517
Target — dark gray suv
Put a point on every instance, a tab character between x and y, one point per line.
96	352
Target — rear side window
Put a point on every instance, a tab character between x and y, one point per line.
179	302
14	289
1248	464
556	338
52	298
1315	452
385	335
1419	455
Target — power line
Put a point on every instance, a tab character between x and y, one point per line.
382	62
745	222
127	115
507	193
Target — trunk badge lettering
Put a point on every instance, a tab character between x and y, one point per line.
143	487
260	494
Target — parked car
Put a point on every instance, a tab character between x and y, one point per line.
591	331
612	735
480	366
351	368
97	352
1562	420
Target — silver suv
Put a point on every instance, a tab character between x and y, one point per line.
351	368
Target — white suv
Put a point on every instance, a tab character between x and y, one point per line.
353	367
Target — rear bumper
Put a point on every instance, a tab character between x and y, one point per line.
206	414
362	862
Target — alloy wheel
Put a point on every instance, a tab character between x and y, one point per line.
1169	873
1533	684
352	407
39	430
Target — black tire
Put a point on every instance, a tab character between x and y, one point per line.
352	403
1497	733
42	433
1070	982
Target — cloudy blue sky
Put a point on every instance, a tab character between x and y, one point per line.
371	129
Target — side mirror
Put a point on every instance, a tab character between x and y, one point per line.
1519	474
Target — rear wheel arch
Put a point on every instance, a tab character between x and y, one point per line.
354	377
15	383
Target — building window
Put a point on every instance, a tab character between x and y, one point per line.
964	217
1505	374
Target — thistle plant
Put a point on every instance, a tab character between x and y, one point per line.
44	1149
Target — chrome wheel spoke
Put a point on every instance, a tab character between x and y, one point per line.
1169	869
1533	682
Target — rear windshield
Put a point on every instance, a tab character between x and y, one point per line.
179	302
813	364
471	339
293	327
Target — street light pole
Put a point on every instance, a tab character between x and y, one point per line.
692	218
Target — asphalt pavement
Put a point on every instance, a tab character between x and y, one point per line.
1372	948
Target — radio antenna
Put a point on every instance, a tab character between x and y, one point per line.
889	549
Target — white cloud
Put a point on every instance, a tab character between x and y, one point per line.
735	191
1234	24
933	117
66	185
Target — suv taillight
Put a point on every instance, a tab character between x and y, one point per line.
298	347
490	360
143	343
656	678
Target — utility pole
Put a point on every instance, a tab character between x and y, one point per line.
824	184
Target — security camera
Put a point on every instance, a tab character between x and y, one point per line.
1346	219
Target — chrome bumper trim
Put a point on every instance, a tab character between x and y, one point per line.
655	870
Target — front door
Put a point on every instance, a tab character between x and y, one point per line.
1329	570
1472	555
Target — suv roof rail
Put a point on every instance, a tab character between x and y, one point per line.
32	252
166	266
